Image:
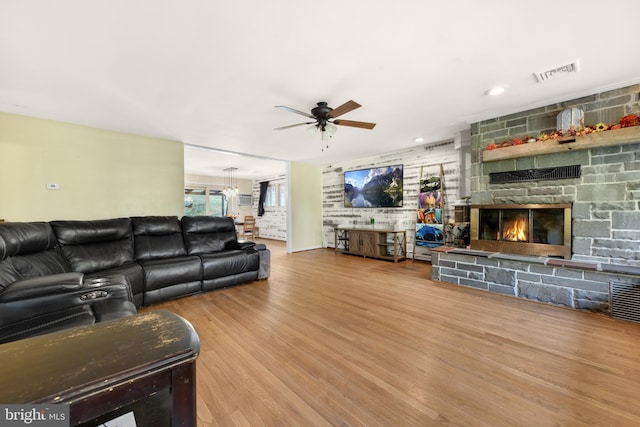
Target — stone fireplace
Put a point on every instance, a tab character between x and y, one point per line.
591	184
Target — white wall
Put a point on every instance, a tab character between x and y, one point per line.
425	157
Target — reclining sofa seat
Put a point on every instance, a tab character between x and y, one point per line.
59	274
168	271
101	247
225	260
38	291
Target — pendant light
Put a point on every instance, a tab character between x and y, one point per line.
230	183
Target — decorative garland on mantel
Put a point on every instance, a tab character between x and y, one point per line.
627	121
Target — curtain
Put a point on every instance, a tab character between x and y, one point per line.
263	195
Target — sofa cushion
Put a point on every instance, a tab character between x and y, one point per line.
160	273
207	234
228	263
95	245
157	237
171	277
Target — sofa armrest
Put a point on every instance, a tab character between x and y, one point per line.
33	301
242	244
42	286
115	285
32	308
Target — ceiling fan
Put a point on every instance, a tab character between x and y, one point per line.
325	117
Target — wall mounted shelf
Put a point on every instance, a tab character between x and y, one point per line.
608	138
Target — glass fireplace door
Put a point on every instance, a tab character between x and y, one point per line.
548	226
533	229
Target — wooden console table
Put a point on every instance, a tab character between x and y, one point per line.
143	364
371	242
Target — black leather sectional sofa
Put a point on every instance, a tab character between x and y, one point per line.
64	273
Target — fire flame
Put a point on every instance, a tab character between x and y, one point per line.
515	231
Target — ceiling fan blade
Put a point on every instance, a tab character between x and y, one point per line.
363	125
292	126
283	107
344	108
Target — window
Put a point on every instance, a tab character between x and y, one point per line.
276	196
204	201
195	201
218	205
270	199
282	192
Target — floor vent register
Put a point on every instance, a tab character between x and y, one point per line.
624	300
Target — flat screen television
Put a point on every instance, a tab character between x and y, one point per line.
379	187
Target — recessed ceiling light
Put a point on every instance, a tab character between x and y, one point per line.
418	139
498	90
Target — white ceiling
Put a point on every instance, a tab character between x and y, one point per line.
209	73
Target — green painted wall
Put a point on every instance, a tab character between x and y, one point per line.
101	174
305	207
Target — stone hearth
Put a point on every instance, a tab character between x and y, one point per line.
573	284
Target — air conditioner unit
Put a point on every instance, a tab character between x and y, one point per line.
245	200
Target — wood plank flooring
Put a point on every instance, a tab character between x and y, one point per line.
334	339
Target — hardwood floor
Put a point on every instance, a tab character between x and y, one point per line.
334	339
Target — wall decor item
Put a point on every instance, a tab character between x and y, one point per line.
430	219
570	119
379	187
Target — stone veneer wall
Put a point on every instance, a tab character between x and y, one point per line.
606	198
606	210
429	157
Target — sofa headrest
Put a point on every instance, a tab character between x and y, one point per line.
207	224
21	238
157	237
156	225
206	234
95	245
79	232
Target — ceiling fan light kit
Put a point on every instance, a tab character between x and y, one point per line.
325	119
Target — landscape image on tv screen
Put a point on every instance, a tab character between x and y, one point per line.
373	188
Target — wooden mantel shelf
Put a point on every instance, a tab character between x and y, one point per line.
608	138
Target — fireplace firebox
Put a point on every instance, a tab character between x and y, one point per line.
529	229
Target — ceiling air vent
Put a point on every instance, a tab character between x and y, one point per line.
543	76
